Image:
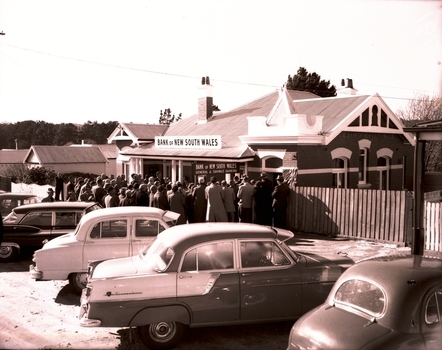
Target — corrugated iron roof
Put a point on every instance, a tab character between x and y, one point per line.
110	151
66	154
145	131
13	156
333	109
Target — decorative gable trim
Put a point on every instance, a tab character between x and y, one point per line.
371	116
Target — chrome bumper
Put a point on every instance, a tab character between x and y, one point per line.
84	307
34	273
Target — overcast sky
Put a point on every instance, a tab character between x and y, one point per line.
74	61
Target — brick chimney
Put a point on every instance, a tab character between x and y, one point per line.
347	89
205	100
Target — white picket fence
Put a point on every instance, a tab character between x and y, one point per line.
433	224
39	191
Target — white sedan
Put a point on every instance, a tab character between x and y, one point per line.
103	234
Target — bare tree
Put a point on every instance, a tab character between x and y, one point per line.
420	109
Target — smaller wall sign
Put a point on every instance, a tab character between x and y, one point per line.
211	169
189	142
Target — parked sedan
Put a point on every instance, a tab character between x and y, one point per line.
207	274
105	234
386	303
9	201
28	226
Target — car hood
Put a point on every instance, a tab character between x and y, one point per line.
60	240
329	327
120	267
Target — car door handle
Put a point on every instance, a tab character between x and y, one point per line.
188	276
246	274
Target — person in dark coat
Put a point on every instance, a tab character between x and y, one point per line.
280	200
177	203
59	188
263	211
199	201
160	199
50	197
143	196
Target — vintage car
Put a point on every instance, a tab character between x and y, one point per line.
10	200
28	226
207	274
105	234
385	303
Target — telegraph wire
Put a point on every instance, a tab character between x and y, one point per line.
187	76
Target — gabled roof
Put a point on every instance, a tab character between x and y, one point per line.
63	155
229	125
333	109
137	132
12	156
110	151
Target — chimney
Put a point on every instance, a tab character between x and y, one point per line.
349	89
205	100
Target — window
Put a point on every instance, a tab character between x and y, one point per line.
110	229
384	173
41	219
340	172
214	256
261	253
364	146
148	228
362	295
434	308
65	219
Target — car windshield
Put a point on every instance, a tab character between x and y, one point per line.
158	256
362	295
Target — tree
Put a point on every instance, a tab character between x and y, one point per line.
425	108
305	81
167	118
92	132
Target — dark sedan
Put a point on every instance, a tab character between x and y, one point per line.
385	303
207	274
27	226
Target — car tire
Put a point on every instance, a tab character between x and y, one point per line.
8	253
78	281
161	335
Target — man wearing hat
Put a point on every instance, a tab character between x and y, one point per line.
50	197
280	196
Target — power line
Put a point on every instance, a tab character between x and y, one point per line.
184	75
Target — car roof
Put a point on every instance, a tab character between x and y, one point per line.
53	206
114	212
397	271
17	195
191	234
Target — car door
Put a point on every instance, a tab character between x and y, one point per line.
107	239
143	233
271	283
25	236
207	281
432	323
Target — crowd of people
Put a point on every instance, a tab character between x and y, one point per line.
239	200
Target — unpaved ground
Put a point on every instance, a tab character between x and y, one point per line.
44	315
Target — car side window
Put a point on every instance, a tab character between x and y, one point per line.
261	253
148	228
65	219
433	309
214	256
109	229
37	219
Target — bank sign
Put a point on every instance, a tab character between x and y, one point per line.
189	142
212	169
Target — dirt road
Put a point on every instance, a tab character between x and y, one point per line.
44	315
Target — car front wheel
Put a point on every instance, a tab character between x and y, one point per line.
78	280
8	253
161	335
